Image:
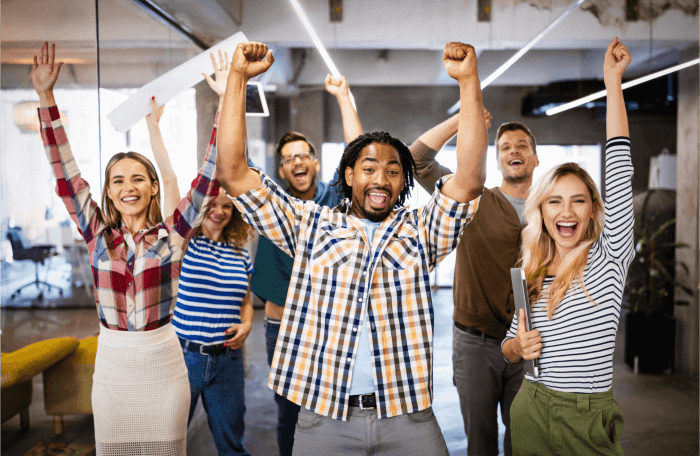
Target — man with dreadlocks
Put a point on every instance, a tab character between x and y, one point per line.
356	341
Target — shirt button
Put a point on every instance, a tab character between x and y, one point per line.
364	273
360	299
354	330
349	359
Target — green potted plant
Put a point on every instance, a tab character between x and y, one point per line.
650	325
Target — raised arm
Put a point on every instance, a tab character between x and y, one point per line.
73	190
617	59
472	140
171	196
338	87
617	237
233	171
426	147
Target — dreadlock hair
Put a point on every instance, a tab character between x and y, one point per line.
352	153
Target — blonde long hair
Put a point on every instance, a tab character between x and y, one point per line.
111	215
538	247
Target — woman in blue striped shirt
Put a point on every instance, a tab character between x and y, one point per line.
214	313
575	255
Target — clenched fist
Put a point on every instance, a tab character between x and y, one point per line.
251	59
460	61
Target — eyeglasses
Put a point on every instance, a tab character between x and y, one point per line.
304	156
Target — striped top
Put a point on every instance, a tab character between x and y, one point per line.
340	278
213	283
578	343
135	277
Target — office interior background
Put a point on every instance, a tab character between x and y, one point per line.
390	53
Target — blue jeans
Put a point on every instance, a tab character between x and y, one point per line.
219	380
287	411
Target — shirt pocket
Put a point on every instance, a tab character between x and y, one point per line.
333	247
402	253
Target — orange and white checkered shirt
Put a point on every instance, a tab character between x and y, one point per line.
338	275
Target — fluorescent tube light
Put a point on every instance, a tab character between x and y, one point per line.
502	69
317	41
602	93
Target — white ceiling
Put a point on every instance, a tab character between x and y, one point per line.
135	48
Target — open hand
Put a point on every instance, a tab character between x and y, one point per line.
156	111
527	343
44	72
617	59
460	61
337	86
251	59
218	84
240	332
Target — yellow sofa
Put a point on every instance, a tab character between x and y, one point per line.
68	384
20	366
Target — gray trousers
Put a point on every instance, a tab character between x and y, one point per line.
364	434
484	379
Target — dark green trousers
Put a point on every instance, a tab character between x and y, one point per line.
548	422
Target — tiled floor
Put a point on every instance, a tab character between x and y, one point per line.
660	412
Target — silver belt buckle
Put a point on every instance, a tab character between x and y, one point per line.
362	407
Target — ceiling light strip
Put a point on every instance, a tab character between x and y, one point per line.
317	41
626	85
502	69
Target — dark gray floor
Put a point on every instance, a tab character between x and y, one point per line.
660	412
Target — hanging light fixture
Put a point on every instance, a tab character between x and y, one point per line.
317	42
626	85
502	69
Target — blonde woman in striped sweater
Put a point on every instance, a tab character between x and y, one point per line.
576	253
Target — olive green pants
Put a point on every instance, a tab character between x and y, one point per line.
548	422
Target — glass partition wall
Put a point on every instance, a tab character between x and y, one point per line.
110	48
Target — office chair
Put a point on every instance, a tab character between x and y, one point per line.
22	249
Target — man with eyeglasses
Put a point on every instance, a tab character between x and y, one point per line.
273	268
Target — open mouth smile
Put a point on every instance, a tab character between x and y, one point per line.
567	229
378	199
130	199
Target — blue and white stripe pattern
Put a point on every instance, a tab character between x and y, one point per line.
213	283
578	343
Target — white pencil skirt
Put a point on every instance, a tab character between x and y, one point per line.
140	393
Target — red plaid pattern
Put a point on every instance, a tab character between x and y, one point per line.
136	278
338	275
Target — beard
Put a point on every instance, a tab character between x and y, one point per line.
516	180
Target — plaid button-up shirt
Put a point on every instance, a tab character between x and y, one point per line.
341	277
136	278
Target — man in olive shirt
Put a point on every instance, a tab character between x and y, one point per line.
483	297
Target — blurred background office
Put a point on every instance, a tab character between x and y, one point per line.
390	52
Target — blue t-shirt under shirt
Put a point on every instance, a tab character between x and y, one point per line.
362	379
213	283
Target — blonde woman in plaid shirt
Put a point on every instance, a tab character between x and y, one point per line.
140	391
355	344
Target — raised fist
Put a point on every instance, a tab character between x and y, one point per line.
617	59
251	59
460	61
337	86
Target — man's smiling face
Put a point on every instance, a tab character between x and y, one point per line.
299	168
516	159
376	180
